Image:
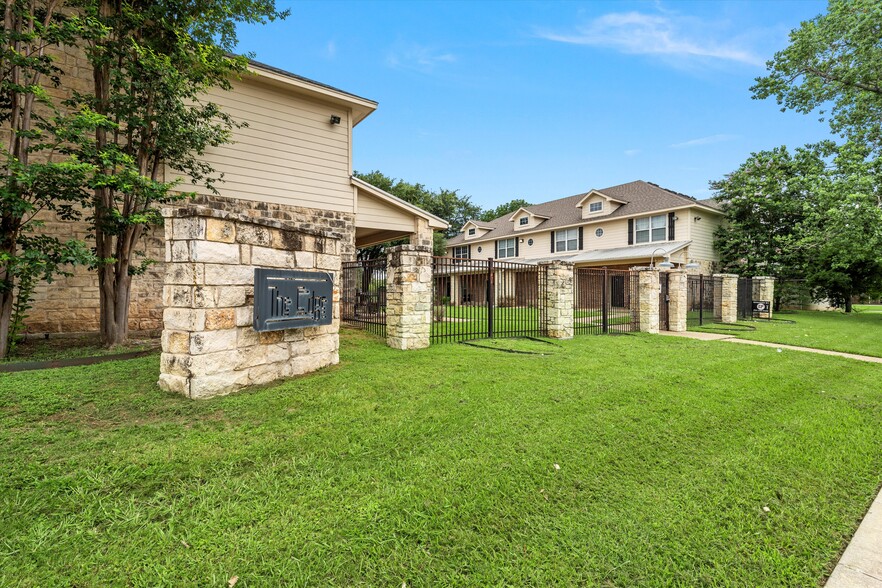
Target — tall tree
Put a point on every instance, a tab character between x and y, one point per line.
37	173
842	237
151	71
766	202
834	61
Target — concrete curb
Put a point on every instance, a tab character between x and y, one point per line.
861	564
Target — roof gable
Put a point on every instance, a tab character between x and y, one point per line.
594	192
522	209
639	198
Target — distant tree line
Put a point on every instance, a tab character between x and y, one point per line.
815	212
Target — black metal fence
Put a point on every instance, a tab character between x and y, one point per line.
664	301
363	295
605	301
745	298
481	298
704	297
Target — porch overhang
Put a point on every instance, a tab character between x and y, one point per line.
381	217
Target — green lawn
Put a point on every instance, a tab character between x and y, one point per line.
66	347
858	332
437	468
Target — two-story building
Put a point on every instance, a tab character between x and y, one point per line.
292	160
617	227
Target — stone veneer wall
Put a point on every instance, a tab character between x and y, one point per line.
408	296
649	288
70	304
208	344
558	299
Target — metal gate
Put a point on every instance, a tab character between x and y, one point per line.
481	298
605	301
664	299
363	295
704	298
745	298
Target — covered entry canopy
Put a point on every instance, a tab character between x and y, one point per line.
381	217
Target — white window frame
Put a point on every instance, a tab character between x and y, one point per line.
506	248
598	205
568	237
461	252
651	229
525	220
472	231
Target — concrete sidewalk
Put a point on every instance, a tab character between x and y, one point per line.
732	339
861	564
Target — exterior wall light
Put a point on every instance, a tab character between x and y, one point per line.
335	120
666	264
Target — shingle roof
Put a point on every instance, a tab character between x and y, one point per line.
641	197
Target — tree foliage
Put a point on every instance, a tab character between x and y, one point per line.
766	202
38	172
830	233
834	62
503	209
813	215
153	63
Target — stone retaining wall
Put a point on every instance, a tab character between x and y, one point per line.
208	344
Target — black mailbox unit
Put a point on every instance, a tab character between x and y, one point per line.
292	299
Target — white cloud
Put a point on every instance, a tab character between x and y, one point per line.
331	50
418	57
710	139
631	152
667	35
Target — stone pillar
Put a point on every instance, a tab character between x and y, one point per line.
208	344
764	289
728	297
717	285
409	297
677	300
422	233
558	300
648	293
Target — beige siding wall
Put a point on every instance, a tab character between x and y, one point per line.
615	234
288	154
702	246
376	214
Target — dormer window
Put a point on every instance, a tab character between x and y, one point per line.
471	232
595	207
525	220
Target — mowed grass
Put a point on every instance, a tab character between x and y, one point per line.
437	468
857	332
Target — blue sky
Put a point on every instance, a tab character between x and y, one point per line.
541	100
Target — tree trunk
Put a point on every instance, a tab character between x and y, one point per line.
6	299
848	306
115	296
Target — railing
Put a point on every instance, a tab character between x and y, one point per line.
363	295
704	298
605	301
486	298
